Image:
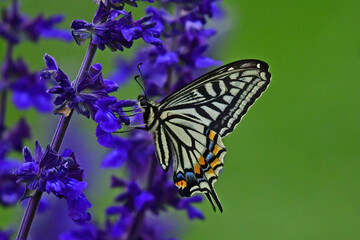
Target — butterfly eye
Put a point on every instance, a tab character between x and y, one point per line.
142	101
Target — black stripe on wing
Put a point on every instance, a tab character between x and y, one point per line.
213	75
248	92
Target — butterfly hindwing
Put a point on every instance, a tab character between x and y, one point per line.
196	165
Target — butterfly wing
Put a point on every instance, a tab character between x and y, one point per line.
198	154
194	119
221	97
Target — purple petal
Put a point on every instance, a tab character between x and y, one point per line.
105	139
204	62
27	155
143	199
27	171
74	188
39	152
115	159
77	209
22	100
50	62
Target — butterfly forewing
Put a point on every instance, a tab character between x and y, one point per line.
193	120
221	97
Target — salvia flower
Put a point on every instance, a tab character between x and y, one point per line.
185	38
16	27
28	90
89	98
107	29
10	190
83	97
135	152
12	140
61	175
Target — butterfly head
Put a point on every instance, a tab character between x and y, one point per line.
142	100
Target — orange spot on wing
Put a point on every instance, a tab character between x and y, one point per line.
197	169
216	149
181	184
212	135
215	163
202	161
210	172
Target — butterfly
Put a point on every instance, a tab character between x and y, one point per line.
189	124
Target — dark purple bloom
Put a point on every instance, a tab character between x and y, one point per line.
136	151
120	227
110	116
83	98
77	208
186	42
47	171
30	90
10	190
134	198
105	116
107	30
17	134
12	139
27	87
14	26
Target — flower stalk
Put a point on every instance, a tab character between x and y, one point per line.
58	137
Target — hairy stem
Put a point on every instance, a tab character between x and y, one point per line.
58	137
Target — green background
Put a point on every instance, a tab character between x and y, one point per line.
292	169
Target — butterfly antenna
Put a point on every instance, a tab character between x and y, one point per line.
142	77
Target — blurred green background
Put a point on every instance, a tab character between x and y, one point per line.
292	169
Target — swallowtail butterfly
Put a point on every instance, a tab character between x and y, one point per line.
191	123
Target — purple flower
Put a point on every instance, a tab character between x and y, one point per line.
136	151
12	139
84	96
107	30
49	172
186	39
17	134
14	26
28	89
110	116
134	198
10	190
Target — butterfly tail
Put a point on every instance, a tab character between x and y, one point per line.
215	197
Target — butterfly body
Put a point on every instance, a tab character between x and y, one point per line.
190	123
